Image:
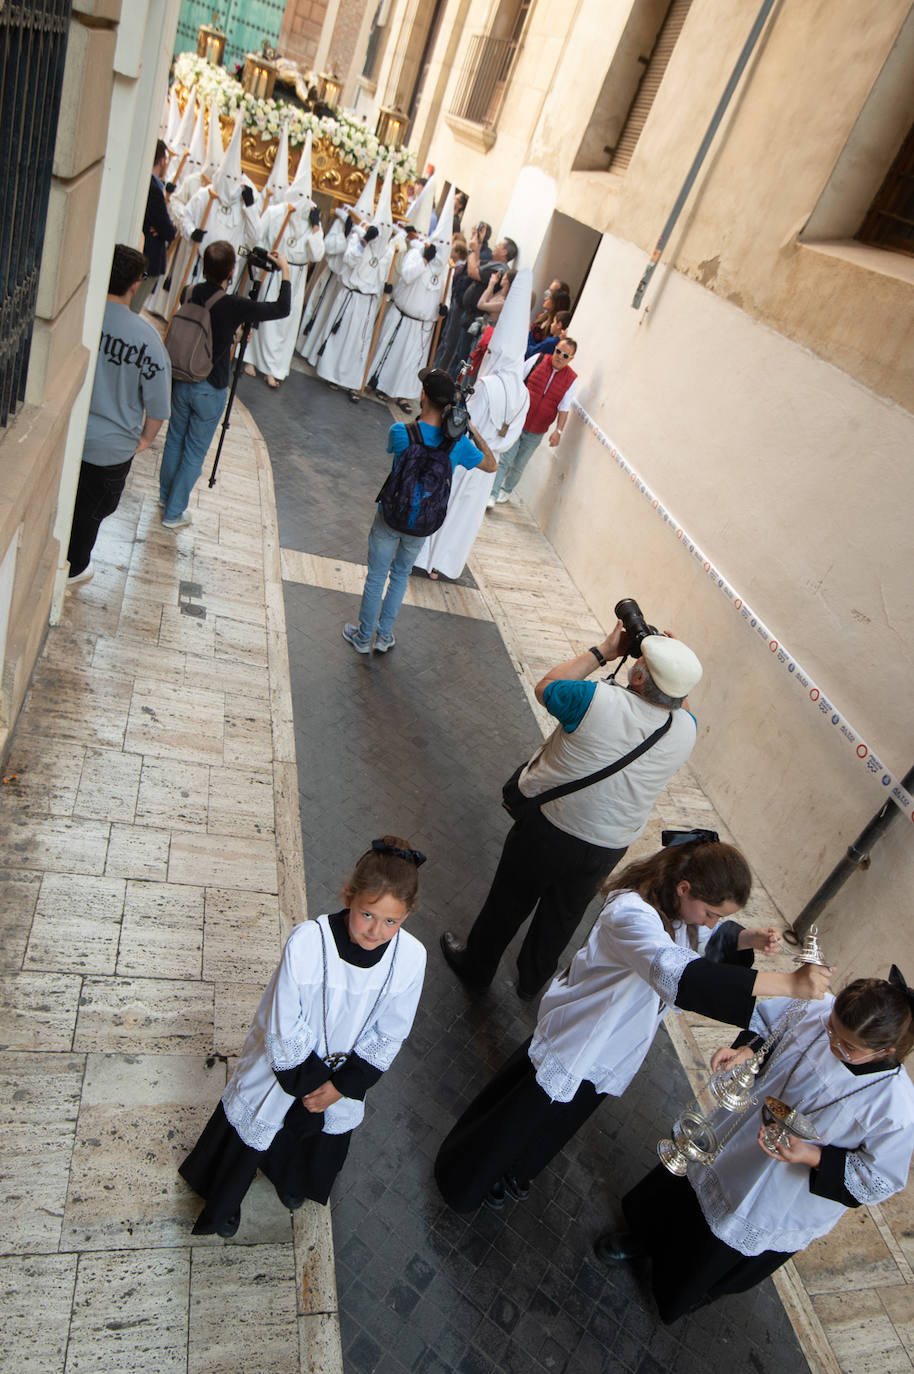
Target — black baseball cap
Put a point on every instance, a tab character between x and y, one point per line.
438	385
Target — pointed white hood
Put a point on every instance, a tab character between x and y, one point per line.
171	116
228	181
299	193
364	206
196	154
214	149
444	229
419	214
500	400
278	180
185	130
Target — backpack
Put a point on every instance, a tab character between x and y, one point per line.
414	498
190	340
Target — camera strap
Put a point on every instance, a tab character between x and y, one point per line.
578	784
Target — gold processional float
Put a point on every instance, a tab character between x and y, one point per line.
697	1139
343	151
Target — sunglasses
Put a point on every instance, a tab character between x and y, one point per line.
559	353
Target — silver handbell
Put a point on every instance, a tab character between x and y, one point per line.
812	950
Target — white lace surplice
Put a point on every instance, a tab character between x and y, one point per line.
600	1021
289	1026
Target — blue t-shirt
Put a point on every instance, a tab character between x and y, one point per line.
568	702
464	454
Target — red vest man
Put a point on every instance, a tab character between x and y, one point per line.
551	383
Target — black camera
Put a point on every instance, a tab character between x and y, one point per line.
259	258
634	624
455	418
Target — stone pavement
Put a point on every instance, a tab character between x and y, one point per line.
153	864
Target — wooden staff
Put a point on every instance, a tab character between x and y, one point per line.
177	176
377	328
435	336
191	259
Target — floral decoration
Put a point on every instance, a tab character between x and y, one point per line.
356	143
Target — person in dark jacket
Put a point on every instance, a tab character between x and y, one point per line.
197	406
158	230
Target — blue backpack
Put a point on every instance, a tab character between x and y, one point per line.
414	498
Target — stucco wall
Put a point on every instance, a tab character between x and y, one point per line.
796	482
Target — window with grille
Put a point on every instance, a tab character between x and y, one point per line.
649	85
889	222
33	48
487	67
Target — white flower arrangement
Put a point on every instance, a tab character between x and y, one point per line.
357	144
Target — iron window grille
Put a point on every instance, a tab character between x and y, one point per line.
33	46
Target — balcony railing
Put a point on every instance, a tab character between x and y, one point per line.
484	79
33	45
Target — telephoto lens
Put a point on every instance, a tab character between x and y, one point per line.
634	624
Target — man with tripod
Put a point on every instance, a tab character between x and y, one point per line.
197	406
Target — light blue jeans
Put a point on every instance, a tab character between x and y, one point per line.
196	408
512	462
393	553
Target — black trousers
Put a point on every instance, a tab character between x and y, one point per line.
97	495
510	1127
543	868
690	1266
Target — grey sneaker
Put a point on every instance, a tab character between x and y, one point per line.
185	518
352	636
384	642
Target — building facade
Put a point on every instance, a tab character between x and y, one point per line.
762	388
114	68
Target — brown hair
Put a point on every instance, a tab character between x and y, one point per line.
879	1014
218	261
715	873
127	267
382	875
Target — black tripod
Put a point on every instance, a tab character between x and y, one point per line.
239	363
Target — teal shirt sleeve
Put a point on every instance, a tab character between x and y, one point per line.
568	702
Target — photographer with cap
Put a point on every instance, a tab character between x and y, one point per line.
393	549
558	852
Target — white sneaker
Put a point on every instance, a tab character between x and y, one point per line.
86	575
184	519
490	503
502	497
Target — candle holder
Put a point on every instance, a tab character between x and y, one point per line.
259	75
211	42
391	127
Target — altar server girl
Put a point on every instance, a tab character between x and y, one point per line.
336	1011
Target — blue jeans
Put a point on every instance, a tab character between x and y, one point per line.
195	411
512	462
393	553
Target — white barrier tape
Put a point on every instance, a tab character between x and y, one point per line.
869	763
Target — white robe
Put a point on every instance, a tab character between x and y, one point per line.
273	342
754	1203
289	1025
409	322
598	1020
322	294
342	352
233	222
492	407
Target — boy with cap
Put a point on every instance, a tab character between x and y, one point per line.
392	553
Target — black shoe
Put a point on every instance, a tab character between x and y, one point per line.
495	1197
615	1247
524	995
455	955
291	1203
205	1226
519	1188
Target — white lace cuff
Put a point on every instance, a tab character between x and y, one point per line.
377	1049
554	1079
288	1051
666	970
863	1182
258	1134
